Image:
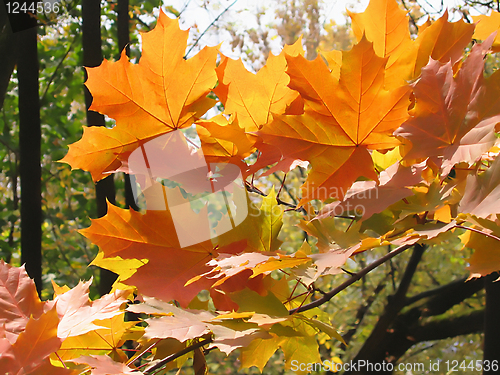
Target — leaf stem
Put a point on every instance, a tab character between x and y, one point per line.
174	356
477	231
140	353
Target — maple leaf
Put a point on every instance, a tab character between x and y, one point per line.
330	263
162	93
345	118
18	300
442	41
258	352
424	199
253	97
486	256
294	337
33	345
77	313
227	265
301	349
386	25
454	117
270	154
223	140
329	236
185	324
111	337
227	340
486	25
482	193
269	304
33	330
260	228
177	323
167	266
104	365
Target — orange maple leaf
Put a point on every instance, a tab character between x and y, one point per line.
225	141
31	330
386	25
161	93
443	41
152	238
344	118
486	256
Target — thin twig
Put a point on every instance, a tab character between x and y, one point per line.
252	189
57	68
298	309
184	7
208	27
139	354
174	356
282	184
136	17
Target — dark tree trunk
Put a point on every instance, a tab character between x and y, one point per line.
30	149
123	21
123	26
8	60
373	346
92	57
492	324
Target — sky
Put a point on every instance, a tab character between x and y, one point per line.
242	12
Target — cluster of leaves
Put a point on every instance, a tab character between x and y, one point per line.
405	163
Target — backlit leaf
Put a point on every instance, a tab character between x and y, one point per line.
454	116
345	119
162	93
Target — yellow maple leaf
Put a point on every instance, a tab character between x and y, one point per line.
253	97
486	25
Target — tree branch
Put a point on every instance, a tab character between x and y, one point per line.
410	270
57	68
391	338
328	296
446	328
446	296
395	304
